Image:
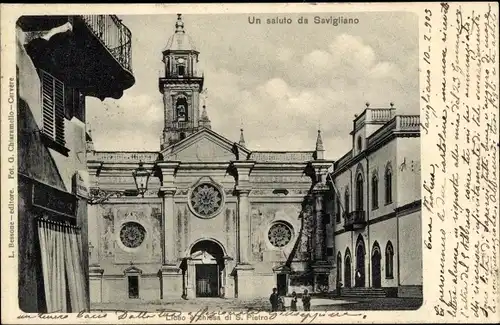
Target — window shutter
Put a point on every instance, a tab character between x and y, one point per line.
48	126
59	111
53	107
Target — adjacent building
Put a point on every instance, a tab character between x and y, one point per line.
60	60
221	220
376	229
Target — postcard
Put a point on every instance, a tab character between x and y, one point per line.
250	163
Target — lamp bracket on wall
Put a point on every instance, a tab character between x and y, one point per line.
98	196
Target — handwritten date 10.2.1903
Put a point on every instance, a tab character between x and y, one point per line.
428	111
427	35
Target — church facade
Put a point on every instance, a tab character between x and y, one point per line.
218	219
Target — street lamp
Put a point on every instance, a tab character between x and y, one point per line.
141	178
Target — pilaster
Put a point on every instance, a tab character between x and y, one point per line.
95	284
241	171
169	226
167	192
243	224
171	277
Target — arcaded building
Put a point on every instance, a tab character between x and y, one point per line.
219	219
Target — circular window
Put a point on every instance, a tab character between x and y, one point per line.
132	234
280	234
206	200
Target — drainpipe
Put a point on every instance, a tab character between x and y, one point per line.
397	232
353	250
368	218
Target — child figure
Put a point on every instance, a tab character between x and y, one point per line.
293	303
281	304
306	301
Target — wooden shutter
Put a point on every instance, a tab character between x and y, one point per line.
59	111
48	104
53	107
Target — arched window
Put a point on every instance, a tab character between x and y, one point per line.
181	109
339	267
359	192
181	70
374	191
337	209
388	184
346	201
347	268
389	261
360	144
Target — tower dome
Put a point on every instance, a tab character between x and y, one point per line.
180	40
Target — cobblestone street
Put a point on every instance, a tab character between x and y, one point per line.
216	304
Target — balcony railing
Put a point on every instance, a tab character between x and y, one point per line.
182	125
122	157
114	35
380	114
407	122
355	220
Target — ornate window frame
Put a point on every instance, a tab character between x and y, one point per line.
286	224
389	260
388	182
375	190
219	188
119	240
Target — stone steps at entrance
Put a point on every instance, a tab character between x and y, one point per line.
360	292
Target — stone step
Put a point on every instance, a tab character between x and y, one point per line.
363	292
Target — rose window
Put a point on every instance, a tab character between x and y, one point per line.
206	200
280	234
132	234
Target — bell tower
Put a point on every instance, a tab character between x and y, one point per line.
180	85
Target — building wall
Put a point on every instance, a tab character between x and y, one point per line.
392	222
265	208
44	165
408	186
378	162
382	233
410	248
343	242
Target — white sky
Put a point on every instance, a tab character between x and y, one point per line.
281	81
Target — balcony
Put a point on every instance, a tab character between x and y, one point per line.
182	125
355	220
401	125
374	116
90	52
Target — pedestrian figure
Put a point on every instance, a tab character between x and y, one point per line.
293	303
306	301
339	288
281	304
273	299
358	279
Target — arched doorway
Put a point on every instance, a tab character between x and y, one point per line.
376	257
204	270
347	269
360	262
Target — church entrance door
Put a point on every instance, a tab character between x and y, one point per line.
282	285
204	270
207	280
376	257
360	262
